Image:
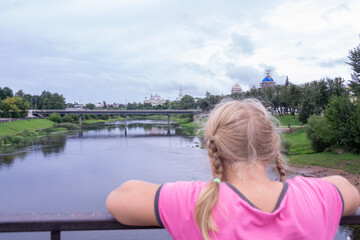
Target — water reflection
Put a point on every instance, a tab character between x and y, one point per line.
56	144
47	146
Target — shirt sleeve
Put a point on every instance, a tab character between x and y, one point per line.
175	204
322	199
331	198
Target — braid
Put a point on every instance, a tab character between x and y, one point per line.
217	164
280	167
210	194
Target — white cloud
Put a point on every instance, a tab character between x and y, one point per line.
111	50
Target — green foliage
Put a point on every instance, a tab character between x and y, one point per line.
67	118
319	133
48	100
354	57
90	106
86	116
209	101
292	120
340	128
5	92
187	102
104	117
75	117
343	117
67	125
55	117
348	161
19	126
14	107
297	142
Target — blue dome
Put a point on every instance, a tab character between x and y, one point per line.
266	79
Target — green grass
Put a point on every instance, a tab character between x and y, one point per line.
300	153
91	121
15	127
348	161
292	120
299	143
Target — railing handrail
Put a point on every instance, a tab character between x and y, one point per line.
87	221
62	222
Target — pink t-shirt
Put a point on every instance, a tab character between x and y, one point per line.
308	208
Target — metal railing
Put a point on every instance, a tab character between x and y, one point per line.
55	223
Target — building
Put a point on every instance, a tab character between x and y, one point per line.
154	100
236	89
180	94
268	81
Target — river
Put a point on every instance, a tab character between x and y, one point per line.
75	173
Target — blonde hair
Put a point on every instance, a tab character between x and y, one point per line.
240	135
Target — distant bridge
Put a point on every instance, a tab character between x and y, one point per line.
115	112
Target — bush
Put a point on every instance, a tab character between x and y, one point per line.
75	117
343	117
67	118
68	126
339	128
319	133
55	117
104	117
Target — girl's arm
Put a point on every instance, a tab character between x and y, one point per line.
133	203
349	193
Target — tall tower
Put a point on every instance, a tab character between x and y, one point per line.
180	94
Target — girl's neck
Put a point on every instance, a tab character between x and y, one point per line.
248	176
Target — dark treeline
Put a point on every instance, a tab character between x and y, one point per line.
16	105
288	99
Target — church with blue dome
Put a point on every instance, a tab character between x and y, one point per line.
268	81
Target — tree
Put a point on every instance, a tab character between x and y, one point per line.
55	117
20	93
187	102
5	92
15	107
354	57
90	106
343	118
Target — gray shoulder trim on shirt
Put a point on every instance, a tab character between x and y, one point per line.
282	194
342	200
240	194
156	207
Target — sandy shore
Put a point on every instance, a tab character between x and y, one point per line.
313	171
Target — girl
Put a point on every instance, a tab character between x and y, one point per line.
241	202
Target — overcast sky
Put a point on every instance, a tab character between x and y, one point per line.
114	50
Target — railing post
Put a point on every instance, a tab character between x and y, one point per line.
55	235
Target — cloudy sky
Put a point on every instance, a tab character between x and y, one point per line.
112	50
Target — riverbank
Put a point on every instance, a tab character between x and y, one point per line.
318	172
305	161
23	132
11	128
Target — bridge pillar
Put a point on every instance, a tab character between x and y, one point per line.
125	120
168	130
80	119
